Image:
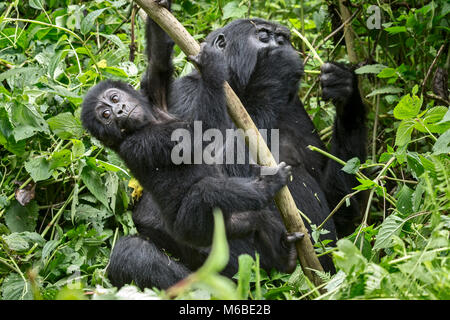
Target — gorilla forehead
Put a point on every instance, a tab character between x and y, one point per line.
242	28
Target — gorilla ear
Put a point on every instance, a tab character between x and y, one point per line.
242	61
220	42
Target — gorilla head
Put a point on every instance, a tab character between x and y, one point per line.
255	47
113	109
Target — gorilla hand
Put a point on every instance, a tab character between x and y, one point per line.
211	62
338	82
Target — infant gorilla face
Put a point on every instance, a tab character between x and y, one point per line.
119	107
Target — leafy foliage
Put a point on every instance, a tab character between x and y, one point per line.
64	199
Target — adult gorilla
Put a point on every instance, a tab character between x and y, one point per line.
265	72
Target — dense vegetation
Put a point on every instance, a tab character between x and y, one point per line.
64	199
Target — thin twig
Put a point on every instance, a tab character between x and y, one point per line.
432	66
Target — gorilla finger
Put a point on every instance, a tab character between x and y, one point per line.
339	93
339	71
164	3
294	236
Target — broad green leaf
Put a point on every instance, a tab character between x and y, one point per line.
442	145
385	90
102	166
387	73
15	288
233	10
116	72
19	218
19	241
55	62
48	248
348	258
365	184
66	126
95	184
88	22
16	242
414	164
372	68
39	169
61	158
352	166
78	148
390	227
403	135
408	107
37	4
27	121
404	200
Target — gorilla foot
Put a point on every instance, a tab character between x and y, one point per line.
288	241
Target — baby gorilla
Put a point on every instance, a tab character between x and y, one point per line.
122	119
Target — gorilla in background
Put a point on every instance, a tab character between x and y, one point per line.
264	70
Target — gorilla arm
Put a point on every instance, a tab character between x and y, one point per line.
340	85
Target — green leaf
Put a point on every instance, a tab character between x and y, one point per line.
61	158
414	164
95	185
102	166
15	288
78	148
408	107
387	73
19	218
348	258
390	227
48	248
22	241
27	121
395	30
16	242
219	255
66	126
39	169
385	90
372	68
36	4
232	10
442	144
352	166
403	135
366	184
55	62
244	275
404	200
88	22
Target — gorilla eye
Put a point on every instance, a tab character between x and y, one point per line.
263	36
106	114
115	98
280	39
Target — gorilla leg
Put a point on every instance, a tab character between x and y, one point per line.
231	195
349	140
139	260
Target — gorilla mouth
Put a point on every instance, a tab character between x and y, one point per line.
127	122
